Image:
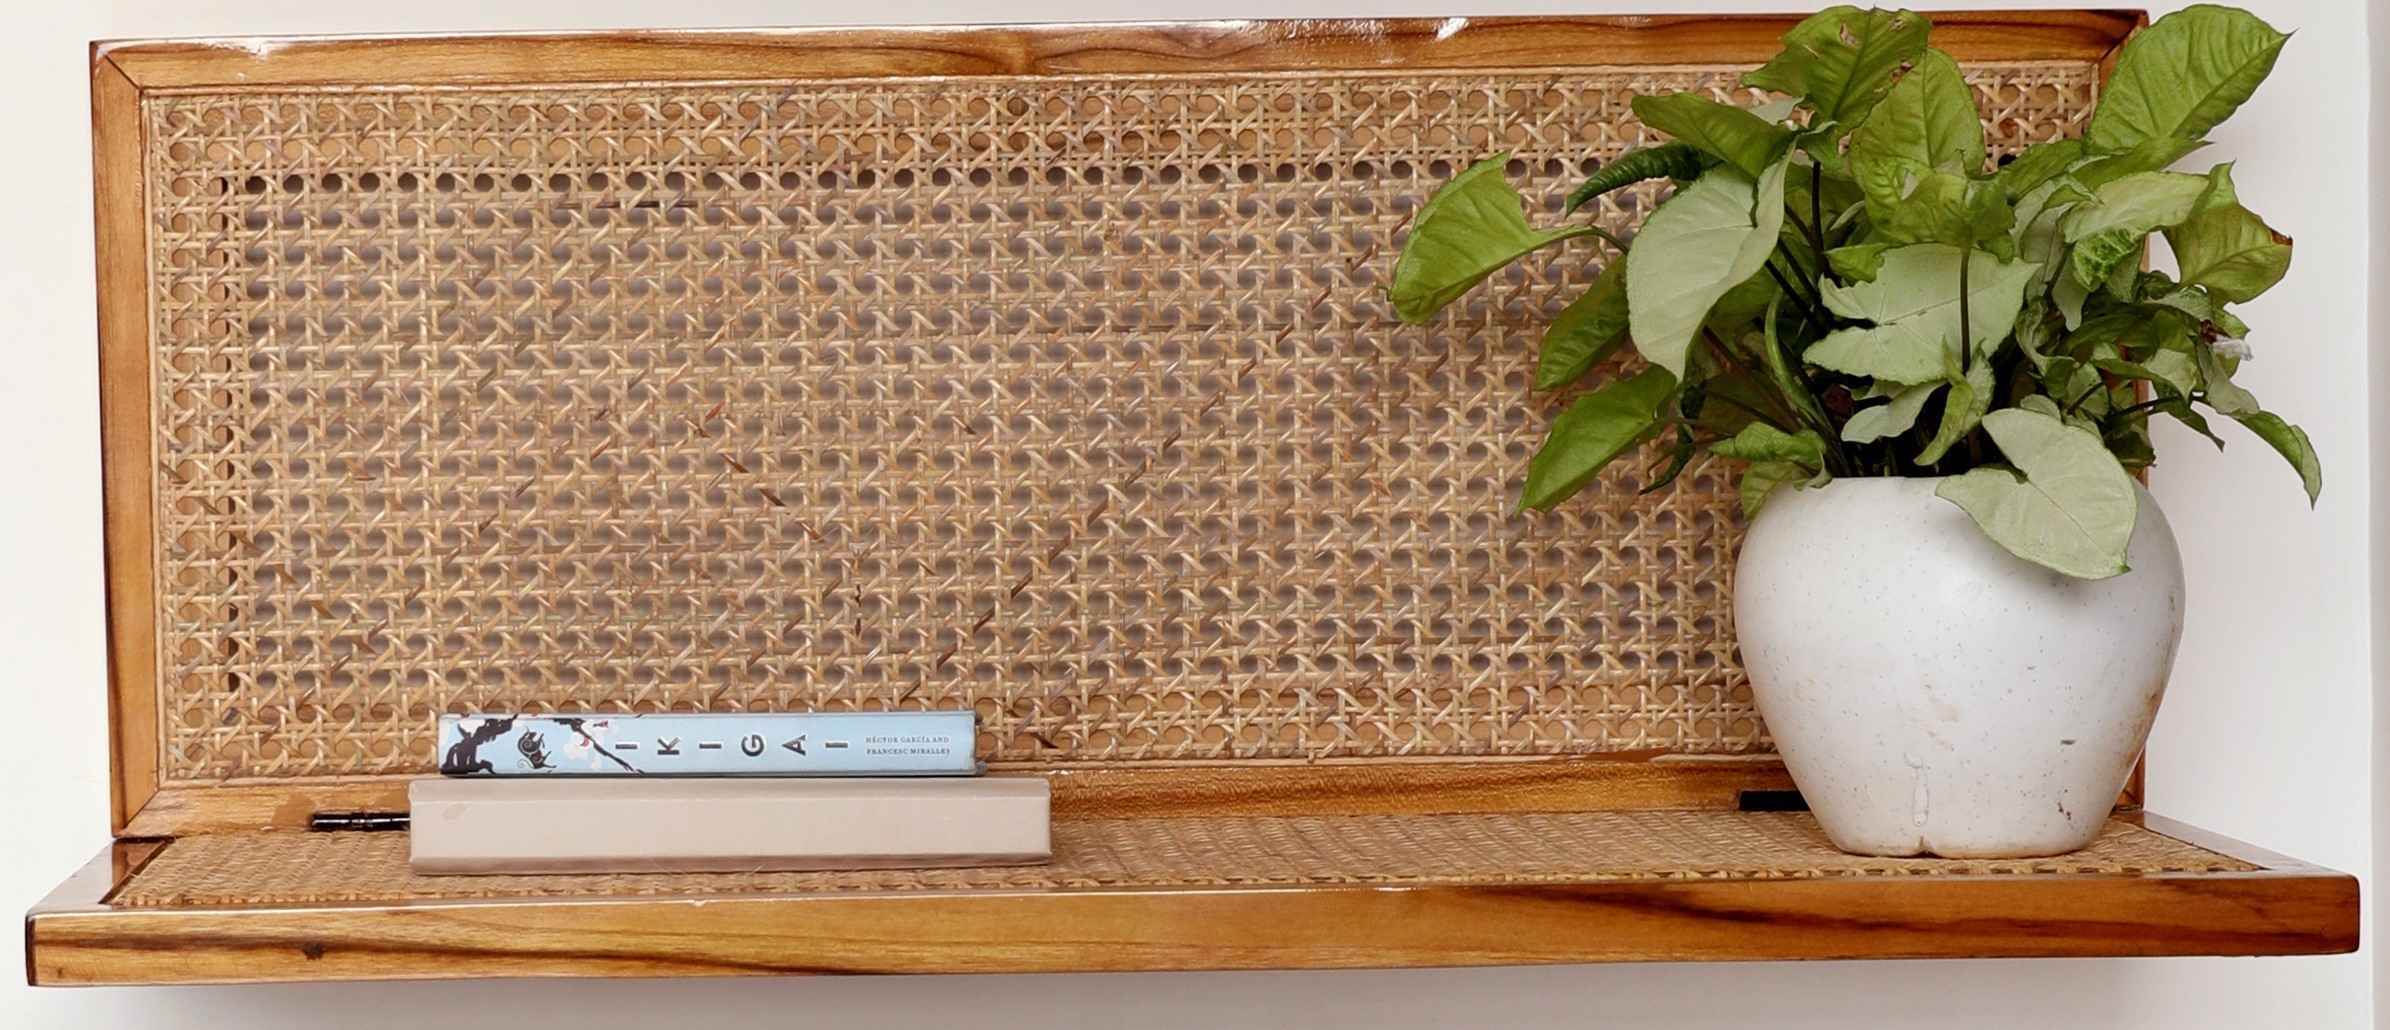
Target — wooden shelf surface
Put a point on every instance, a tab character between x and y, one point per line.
1235	892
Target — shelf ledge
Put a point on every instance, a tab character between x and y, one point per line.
1194	893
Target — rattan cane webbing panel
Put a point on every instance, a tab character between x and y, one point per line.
1072	400
298	867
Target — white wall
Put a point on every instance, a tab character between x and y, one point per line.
2265	735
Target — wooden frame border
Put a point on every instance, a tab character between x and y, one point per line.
2283	908
123	72
1127	48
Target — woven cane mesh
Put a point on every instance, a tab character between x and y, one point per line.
299	867
1073	401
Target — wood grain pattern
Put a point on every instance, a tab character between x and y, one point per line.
1123	48
1632	781
2274	911
121	242
78	937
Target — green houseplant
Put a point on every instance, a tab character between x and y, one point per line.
1844	288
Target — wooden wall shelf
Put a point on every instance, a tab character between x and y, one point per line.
1040	371
1284	893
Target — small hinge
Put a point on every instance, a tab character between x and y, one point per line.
357	822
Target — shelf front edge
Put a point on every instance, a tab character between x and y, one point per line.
2298	910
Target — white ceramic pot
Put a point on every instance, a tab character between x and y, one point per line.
1934	694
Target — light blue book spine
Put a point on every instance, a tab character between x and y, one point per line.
779	744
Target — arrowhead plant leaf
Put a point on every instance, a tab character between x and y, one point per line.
2184	74
1870	424
1731	134
2068	505
1927	119
1593	432
1674	159
1912	313
1842	60
1470	229
1588	330
1700	244
2225	248
2291	442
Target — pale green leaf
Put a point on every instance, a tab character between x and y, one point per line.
1841	61
1928	119
1869	424
1962	410
1586	331
1703	242
1731	134
2183	75
2068	506
2291	442
1594	431
2108	231
1912	311
2151	155
2035	166
1671	160
1472	227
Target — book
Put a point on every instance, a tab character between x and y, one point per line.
624	825
745	744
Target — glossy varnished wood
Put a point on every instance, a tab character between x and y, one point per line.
121	241
2291	909
1109	49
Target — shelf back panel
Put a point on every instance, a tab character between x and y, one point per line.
1071	399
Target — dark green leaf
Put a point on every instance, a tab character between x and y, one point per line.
1732	134
1593	432
1472	227
1679	455
1674	159
2291	442
1928	119
1585	332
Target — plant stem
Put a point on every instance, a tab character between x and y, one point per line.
1609	237
2081	397
1812	299
2142	408
1817	211
1966	335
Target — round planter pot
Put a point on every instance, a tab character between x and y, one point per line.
1932	693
